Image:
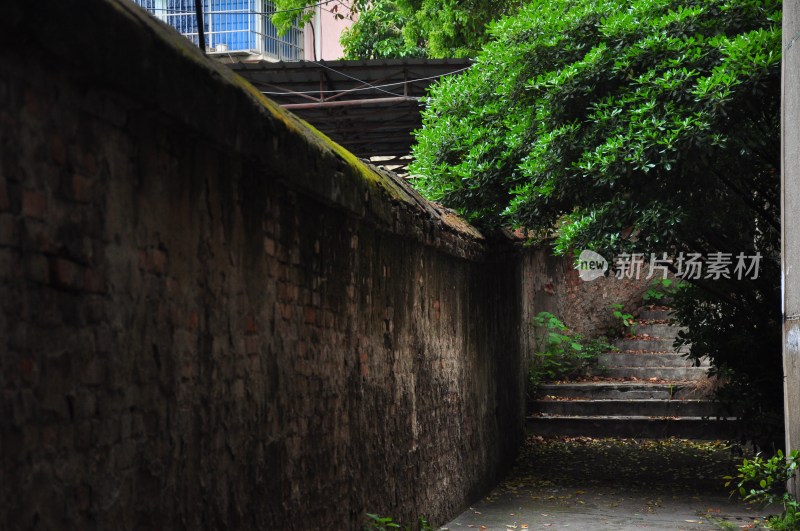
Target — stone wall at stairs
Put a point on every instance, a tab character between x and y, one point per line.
552	284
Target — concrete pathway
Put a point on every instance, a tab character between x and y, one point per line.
606	484
604	510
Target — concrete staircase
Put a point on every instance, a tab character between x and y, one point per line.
647	390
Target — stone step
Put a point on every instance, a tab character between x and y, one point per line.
618	390
624	359
633	427
658	330
658	315
644	408
649	345
661	373
635	409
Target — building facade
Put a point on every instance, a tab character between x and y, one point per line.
238	30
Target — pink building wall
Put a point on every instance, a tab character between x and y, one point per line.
322	35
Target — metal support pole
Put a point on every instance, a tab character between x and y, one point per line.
790	223
201	37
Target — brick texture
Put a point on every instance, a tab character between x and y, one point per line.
551	283
210	318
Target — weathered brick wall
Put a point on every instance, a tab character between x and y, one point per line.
551	283
211	318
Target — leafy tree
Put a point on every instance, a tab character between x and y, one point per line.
406	28
378	33
452	28
302	11
632	125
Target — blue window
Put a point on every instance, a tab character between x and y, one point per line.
231	25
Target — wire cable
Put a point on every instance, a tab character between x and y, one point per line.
369	85
361	89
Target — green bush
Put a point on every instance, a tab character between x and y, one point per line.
661	289
626	320
764	481
561	354
386	523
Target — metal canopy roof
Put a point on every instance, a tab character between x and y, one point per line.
369	107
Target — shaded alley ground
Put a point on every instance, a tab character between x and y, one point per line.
614	484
